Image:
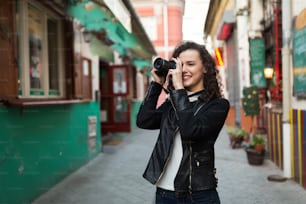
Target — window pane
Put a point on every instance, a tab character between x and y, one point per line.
119	76
35	49
53	57
120	112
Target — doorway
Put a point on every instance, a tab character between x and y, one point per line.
115	103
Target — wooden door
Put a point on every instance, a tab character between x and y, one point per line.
115	103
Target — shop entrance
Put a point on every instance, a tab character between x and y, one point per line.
115	104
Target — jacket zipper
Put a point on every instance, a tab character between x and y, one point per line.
173	108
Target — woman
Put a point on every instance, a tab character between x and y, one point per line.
182	164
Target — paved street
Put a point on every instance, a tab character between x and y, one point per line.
115	177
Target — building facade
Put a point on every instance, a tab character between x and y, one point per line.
163	21
62	63
267	34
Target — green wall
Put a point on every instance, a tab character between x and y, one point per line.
39	146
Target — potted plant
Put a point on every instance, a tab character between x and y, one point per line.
256	149
236	135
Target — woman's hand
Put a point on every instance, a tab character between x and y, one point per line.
176	75
158	79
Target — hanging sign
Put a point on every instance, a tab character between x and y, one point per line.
257	54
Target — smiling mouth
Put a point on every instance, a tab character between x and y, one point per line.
186	77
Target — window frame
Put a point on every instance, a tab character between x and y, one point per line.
23	52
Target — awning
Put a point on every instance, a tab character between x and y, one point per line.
101	50
226	25
141	63
225	31
98	18
139	52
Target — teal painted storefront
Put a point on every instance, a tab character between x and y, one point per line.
39	146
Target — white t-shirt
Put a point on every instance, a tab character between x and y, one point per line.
166	181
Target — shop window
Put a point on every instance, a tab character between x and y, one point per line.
40	56
39	52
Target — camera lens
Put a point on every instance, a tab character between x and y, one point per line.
158	63
163	66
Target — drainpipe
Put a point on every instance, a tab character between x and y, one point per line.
286	21
166	46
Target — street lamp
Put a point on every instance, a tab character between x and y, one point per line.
268	73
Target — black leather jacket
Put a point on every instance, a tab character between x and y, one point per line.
199	124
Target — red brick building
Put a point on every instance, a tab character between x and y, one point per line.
162	20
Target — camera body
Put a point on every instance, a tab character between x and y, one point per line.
163	66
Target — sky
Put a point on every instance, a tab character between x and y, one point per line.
194	19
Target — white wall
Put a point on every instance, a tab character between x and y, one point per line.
243	26
243	52
256	15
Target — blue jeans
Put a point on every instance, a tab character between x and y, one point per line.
199	197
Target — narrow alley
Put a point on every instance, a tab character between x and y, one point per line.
115	177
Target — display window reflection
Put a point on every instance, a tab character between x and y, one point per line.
39	41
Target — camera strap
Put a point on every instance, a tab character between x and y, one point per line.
166	90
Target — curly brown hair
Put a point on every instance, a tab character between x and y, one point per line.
211	80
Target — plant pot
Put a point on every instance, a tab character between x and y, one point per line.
236	141
255	157
246	139
259	147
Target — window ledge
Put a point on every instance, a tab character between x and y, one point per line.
29	103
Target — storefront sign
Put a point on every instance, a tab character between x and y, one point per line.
257	54
299	56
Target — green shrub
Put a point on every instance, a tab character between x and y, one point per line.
236	132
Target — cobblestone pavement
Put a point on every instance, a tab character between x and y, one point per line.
115	177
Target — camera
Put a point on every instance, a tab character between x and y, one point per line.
163	66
